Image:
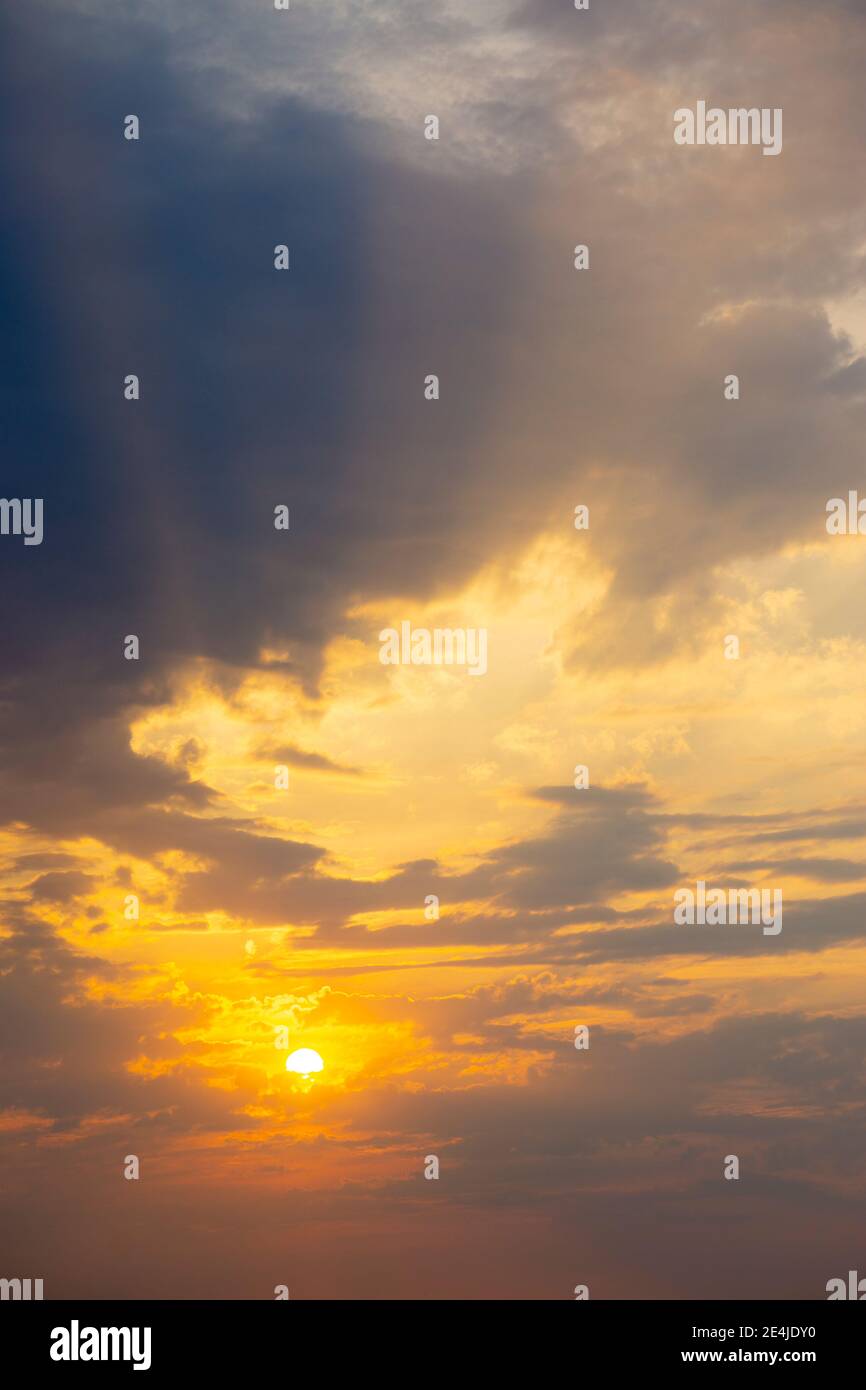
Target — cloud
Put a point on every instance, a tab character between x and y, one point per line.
59	887
298	757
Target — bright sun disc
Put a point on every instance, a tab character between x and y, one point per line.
304	1062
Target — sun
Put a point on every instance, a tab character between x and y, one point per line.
304	1062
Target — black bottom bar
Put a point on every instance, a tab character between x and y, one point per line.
425	1339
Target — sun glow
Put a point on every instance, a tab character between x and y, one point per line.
304	1062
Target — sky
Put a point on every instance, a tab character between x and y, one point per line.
392	864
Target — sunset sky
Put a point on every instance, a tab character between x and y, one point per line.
264	908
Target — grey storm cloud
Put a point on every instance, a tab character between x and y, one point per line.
542	892
59	887
65	1056
299	757
603	842
160	519
825	870
173	504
